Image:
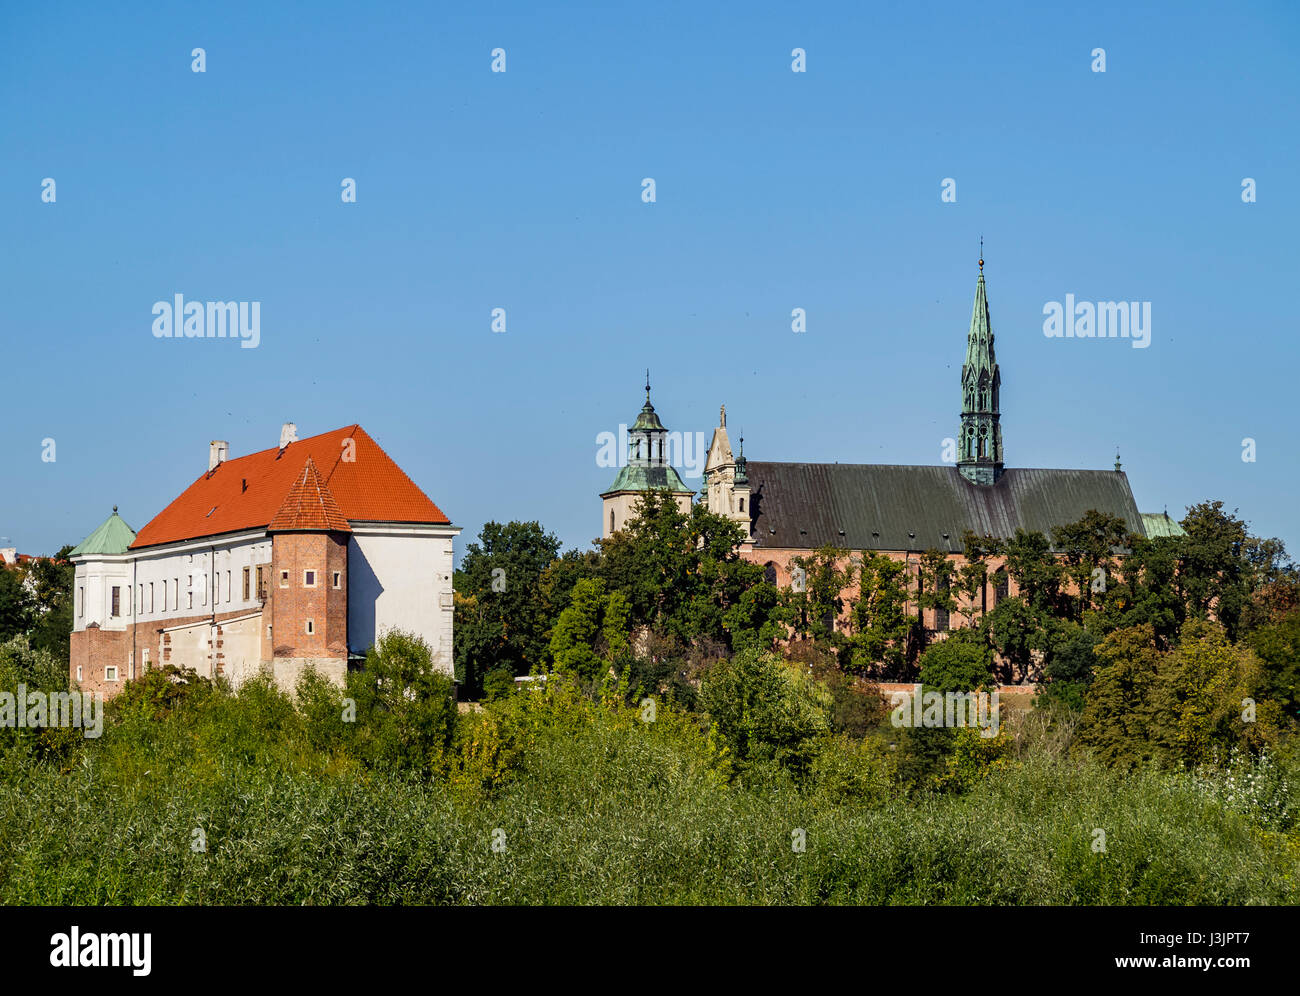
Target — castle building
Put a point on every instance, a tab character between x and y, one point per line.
647	469
298	555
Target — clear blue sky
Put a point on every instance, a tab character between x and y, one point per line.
522	190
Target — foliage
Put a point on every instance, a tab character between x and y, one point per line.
960	663
765	709
500	622
405	713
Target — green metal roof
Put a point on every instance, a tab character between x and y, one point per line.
1160	524
648	419
112	537
640	478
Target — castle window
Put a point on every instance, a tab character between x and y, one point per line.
1000	586
189	599
115	605
110	672
742	504
228	587
284	579
611	520
150	596
81	602
769	572
311	627
247	580
176	593
78	672
338	579
139	598
309	579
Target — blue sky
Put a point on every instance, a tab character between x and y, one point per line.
522	190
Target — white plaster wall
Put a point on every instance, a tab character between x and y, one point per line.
193	564
93	586
399	577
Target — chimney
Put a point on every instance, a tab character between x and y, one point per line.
218	453
288	434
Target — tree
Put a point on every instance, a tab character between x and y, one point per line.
1117	710
1089	548
682	574
1210	698
1015	629
1277	645
933	590
591	630
405	715
15	604
1031	564
1214	570
879	619
812	602
765	710
974	574
1068	664
960	663
501	619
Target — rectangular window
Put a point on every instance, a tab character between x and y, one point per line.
115	602
284	579
110	672
78	672
139	598
189	599
150	596
228	588
81	602
247	579
261	586
176	593
338	579
309	579
311	627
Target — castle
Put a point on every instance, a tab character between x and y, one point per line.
787	510
298	555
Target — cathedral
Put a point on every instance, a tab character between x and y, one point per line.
788	510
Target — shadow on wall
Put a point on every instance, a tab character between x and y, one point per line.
364	590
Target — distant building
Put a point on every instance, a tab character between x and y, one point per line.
790	509
297	555
647	469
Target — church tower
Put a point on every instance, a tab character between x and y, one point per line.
647	469
979	448
726	483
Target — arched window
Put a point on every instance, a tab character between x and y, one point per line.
769	572
742	504
611	520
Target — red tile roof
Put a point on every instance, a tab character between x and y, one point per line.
309	505
248	492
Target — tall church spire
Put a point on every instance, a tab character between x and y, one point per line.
979	449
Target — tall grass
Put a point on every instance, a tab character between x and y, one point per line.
554	799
